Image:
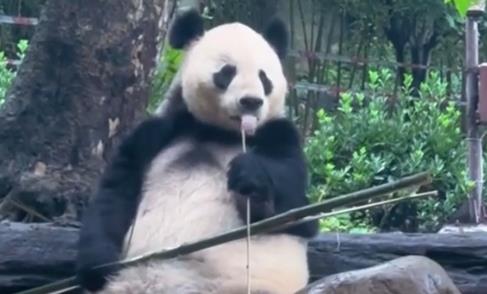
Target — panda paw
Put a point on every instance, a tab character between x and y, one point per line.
247	177
88	278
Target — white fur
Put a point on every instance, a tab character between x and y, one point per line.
241	46
181	206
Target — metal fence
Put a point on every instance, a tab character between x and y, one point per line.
20	21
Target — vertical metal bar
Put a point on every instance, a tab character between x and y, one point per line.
482	105
473	134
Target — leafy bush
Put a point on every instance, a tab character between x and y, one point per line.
6	74
371	141
165	72
344	223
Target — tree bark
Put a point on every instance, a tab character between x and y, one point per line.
401	32
398	33
420	55
83	84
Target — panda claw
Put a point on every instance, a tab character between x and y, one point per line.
247	178
91	257
91	280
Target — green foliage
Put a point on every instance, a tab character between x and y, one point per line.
376	140
461	5
22	47
413	21
344	223
165	72
6	74
6	77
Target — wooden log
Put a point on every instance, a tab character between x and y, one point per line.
35	254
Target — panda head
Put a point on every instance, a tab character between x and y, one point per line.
231	70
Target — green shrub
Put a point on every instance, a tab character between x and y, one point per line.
366	142
344	223
6	74
6	77
165	72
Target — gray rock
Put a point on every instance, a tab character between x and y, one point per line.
405	275
463	256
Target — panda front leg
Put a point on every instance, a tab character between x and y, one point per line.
273	174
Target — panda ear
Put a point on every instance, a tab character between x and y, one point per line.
187	26
276	33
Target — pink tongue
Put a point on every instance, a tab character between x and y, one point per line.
249	124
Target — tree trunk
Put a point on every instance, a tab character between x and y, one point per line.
398	32
420	55
401	70
254	13
82	85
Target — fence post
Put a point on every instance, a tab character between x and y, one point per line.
475	159
482	105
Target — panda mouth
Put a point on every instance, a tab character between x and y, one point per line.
238	118
247	123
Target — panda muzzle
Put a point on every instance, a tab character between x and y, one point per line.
250	104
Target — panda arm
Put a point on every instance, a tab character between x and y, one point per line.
110	215
273	174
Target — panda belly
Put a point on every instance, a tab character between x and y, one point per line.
185	199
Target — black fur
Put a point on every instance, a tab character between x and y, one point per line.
276	33
108	218
272	173
186	27
224	77
250	103
266	83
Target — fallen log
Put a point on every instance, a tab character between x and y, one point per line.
32	255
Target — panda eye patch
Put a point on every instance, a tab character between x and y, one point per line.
224	77
265	82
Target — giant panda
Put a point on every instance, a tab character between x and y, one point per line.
182	176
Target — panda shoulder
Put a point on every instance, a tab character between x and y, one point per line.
280	132
150	136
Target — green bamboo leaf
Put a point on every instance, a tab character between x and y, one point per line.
461	5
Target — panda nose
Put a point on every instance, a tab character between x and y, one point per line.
251	103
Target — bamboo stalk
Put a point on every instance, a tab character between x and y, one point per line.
27	209
358	208
283	219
